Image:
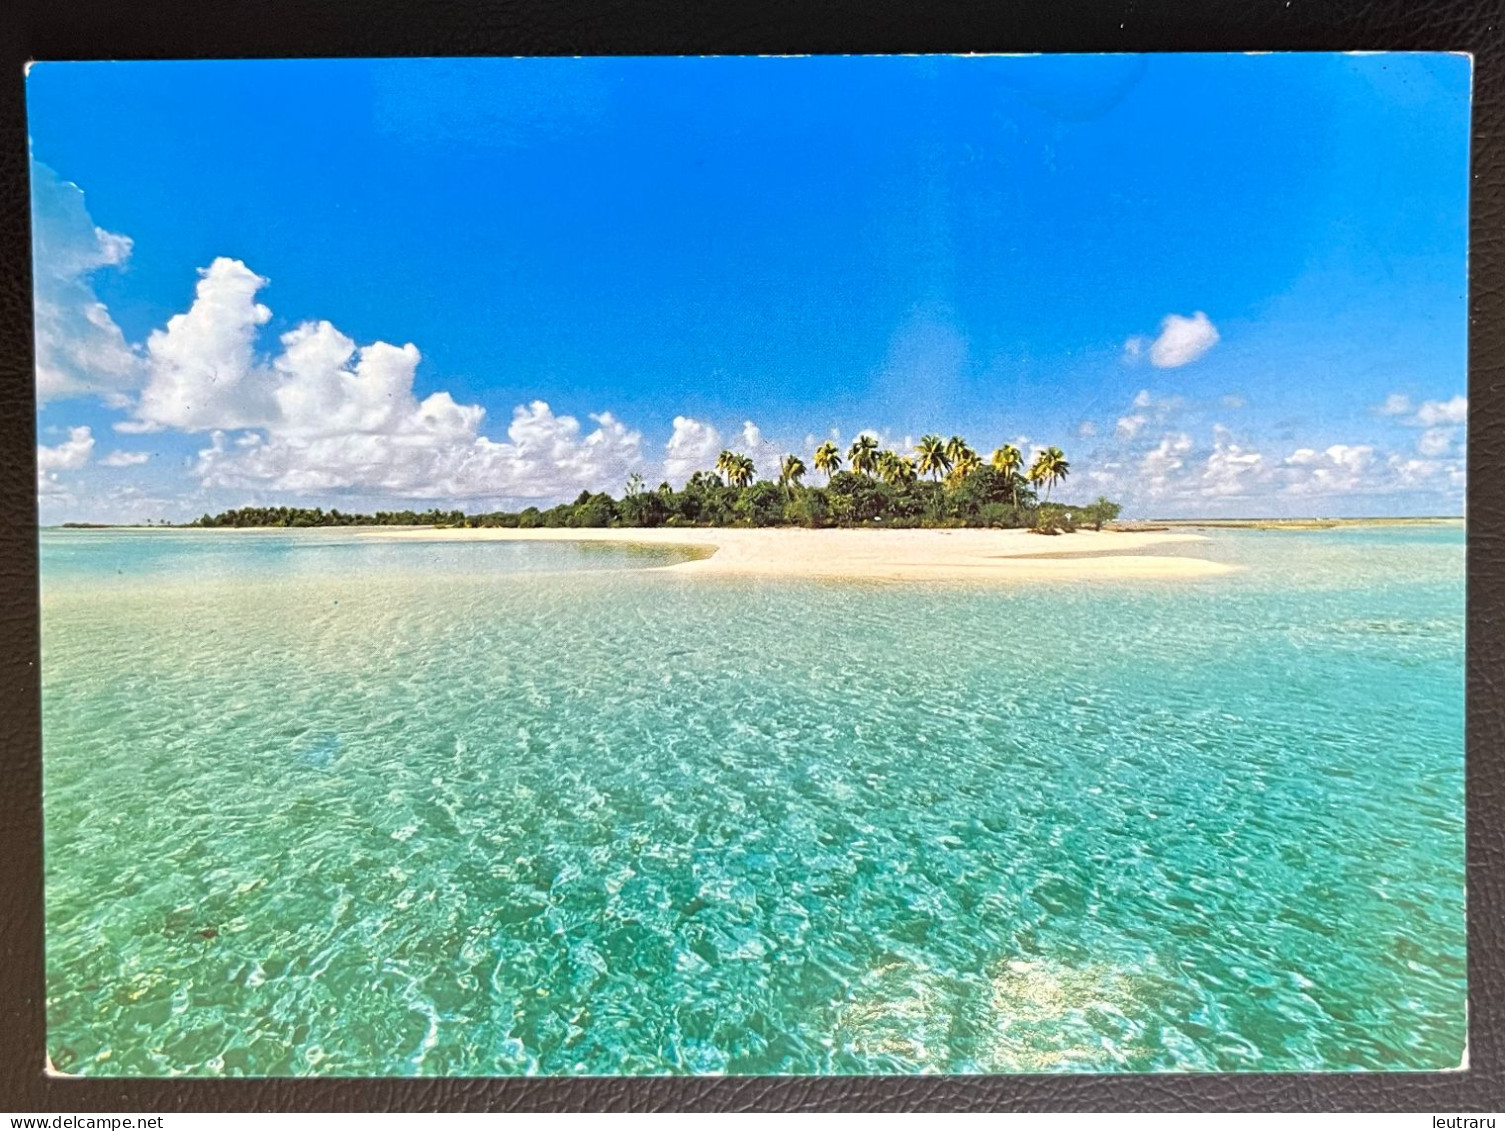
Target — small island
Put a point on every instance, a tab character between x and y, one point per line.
943	484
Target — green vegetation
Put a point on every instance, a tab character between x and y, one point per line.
944	483
318	516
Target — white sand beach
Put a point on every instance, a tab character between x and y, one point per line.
896	555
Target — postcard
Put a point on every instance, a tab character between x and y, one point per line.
753	566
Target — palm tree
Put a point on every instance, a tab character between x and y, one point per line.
966	462
828	459
863	454
956	448
1036	473
726	462
895	469
741	471
1049	468
1007	461
931	457
1058	467
791	471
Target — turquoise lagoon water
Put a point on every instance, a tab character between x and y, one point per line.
324	805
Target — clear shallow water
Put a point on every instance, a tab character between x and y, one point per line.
498	809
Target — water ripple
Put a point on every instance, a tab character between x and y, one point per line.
507	821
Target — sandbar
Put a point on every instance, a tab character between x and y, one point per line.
868	554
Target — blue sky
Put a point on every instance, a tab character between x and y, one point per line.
1225	284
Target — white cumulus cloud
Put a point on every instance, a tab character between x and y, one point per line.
326	387
1426	474
1232	470
202	366
545	456
1428	414
70	455
1435	441
1160	464
1433	413
1338	469
324	414
1440	420
125	459
1181	341
79	348
693	446
1146	409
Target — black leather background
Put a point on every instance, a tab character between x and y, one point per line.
53	29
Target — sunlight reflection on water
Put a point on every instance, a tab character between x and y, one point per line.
518	809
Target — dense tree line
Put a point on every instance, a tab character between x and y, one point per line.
318	516
944	483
